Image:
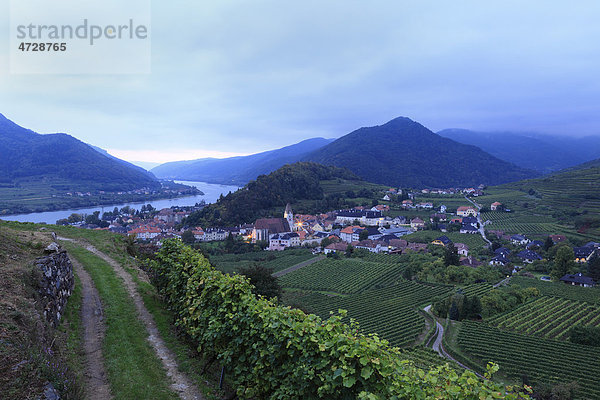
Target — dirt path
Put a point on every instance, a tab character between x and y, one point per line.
298	266
181	384
97	387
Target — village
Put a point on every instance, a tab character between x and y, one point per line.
362	228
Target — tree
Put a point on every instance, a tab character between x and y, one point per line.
349	250
564	263
588	335
451	256
548	243
264	283
453	313
363	235
594	268
188	237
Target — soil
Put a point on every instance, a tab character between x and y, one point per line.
181	384
97	386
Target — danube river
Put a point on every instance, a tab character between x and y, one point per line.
211	194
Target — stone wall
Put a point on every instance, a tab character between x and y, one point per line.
56	284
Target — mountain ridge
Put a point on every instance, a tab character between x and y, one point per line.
237	170
30	156
403	152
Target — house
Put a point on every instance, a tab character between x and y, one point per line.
439	217
215	234
386	198
442	241
417	223
462	249
345	217
264	228
466	211
502	250
577	280
535	244
499	259
198	233
280	241
468	229
558	238
145	232
374	233
495	205
443	209
339	247
372	218
426	206
351	233
529	256
407	204
470	262
470	221
583	254
519	240
381	207
373	246
398	232
400	220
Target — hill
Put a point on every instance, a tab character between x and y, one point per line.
543	153
26	156
309	187
238	170
405	153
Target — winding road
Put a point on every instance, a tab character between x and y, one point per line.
438	346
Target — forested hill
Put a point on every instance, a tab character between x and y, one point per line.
289	184
26	156
404	153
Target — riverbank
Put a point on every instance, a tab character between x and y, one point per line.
205	192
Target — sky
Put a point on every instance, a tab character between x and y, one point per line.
238	77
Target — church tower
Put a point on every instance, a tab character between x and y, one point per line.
289	216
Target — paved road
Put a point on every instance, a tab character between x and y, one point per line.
297	266
438	346
504	282
481	228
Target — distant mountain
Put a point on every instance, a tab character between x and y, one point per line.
403	152
544	153
238	170
123	162
26	156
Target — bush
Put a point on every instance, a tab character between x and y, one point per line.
274	352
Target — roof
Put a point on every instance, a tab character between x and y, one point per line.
529	255
502	250
444	239
501	258
578	278
339	246
417	220
518	237
583	251
465	208
496	203
273	225
468	228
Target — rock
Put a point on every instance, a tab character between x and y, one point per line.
52	248
50	393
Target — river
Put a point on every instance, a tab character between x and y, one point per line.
211	194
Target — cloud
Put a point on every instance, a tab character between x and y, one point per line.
242	77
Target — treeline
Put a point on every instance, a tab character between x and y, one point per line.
274	352
289	184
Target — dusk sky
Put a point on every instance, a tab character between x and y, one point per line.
238	77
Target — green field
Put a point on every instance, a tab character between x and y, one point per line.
346	275
390	312
558	289
471	240
540	360
275	260
549	317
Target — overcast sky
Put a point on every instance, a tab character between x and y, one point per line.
237	77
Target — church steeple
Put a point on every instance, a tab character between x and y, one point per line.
289	216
